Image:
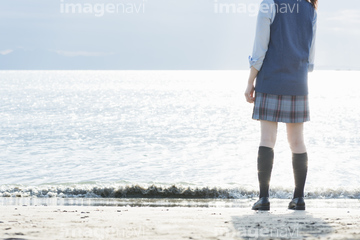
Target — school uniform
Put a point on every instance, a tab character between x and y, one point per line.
284	51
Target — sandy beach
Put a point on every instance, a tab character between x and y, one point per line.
324	219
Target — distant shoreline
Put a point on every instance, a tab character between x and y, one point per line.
15	69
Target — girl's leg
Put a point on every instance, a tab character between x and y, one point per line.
266	155
268	133
296	137
299	156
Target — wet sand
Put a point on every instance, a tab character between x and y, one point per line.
324	219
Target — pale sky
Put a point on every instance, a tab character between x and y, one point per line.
157	34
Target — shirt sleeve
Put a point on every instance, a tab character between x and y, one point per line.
312	48
265	18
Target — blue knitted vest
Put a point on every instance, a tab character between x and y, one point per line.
285	67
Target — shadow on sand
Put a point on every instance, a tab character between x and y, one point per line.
286	224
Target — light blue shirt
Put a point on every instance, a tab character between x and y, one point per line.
266	16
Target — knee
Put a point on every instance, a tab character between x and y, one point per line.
268	141
297	145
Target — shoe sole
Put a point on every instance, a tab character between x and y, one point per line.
262	208
297	208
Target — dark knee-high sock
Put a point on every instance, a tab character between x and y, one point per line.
300	167
264	165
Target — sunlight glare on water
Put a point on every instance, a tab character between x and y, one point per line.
190	127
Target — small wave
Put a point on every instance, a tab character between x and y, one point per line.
158	191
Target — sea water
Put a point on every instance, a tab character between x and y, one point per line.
176	134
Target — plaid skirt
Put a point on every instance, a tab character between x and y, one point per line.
281	108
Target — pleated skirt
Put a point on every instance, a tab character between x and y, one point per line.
281	108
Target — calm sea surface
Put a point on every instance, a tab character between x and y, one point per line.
102	133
